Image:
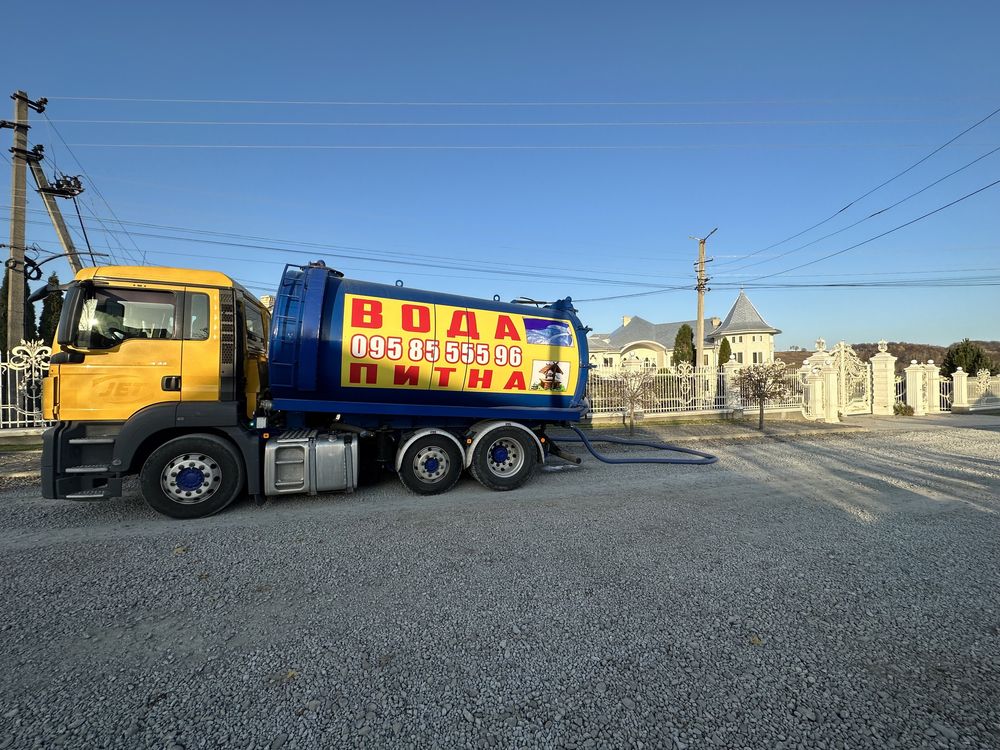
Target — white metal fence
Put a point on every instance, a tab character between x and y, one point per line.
945	394
684	389
21	374
983	390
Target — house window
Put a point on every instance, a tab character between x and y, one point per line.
609	362
758	358
739	357
705	363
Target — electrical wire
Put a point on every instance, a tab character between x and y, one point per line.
879	236
83	228
859	221
539	124
93	184
543	103
817	260
327	247
508	147
877	187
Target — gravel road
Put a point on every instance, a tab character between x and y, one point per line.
828	593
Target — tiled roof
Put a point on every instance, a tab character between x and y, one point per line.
640	329
742	318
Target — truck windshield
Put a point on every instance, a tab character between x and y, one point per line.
110	316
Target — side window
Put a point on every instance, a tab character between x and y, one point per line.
196	324
256	335
111	316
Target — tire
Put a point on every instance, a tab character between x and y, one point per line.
504	459
431	465
192	476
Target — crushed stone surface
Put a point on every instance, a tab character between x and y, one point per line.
821	593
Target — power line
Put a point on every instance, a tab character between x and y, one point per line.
879	236
862	220
318	245
817	260
595	123
542	103
877	187
93	184
511	147
395	261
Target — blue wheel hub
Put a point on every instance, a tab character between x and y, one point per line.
500	454
431	465
190	479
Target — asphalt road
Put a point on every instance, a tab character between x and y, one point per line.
835	592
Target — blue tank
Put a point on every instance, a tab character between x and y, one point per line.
356	348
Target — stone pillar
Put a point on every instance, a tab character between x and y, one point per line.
732	396
960	389
814	397
933	379
831	389
883	380
915	388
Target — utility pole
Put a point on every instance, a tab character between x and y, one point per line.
702	287
18	205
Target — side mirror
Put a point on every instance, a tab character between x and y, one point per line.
72	306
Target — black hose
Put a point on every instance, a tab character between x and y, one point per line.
703	458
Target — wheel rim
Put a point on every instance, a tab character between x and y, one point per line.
504	457
191	478
431	464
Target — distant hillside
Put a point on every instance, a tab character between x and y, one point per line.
903	351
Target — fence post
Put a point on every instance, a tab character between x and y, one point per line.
814	397
933	375
883	380
915	378
959	389
831	389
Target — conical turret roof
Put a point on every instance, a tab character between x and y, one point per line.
743	318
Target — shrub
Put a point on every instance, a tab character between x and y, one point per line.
902	410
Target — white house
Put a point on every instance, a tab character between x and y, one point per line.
637	341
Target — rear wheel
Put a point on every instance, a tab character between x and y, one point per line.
431	465
504	459
192	476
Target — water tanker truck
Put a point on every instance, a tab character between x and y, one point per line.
185	379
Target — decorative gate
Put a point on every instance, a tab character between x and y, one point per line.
855	381
21	377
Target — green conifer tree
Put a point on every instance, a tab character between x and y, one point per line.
970	357
684	350
51	308
725	351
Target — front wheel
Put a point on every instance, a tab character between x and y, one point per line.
504	459
192	476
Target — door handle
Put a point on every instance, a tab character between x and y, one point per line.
171	383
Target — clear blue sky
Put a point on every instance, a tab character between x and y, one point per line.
787	110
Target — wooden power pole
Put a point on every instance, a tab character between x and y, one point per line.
18	204
699	341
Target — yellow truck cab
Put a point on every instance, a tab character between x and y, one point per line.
156	371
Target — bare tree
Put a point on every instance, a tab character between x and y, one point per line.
634	386
758	384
